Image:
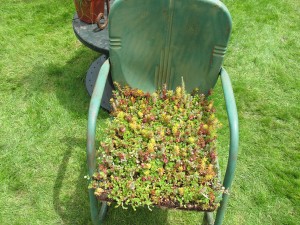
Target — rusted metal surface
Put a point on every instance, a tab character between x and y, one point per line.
101	15
88	10
91	35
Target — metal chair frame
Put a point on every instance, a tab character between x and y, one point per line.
97	213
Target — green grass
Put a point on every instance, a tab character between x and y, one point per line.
43	117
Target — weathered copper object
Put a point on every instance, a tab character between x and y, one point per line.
88	10
102	15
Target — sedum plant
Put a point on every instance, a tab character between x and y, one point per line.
159	149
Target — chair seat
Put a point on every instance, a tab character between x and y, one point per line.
160	149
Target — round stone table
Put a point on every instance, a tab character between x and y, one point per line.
94	38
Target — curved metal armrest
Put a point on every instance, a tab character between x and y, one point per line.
234	142
93	114
233	126
97	216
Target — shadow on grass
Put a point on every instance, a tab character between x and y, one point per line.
73	207
69	82
70	194
66	80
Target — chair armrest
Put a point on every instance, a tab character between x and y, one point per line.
233	126
234	142
93	114
96	215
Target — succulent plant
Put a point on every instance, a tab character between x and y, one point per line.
160	149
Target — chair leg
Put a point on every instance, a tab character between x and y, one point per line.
102	212
221	210
97	216
208	218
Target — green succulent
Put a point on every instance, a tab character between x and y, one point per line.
160	149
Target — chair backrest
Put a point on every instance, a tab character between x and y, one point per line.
153	42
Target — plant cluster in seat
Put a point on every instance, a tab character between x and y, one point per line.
160	149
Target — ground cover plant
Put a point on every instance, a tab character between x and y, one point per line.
44	105
160	150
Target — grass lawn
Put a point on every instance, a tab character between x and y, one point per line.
44	104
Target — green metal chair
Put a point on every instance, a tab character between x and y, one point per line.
153	42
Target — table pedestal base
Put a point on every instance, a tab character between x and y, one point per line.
91	78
